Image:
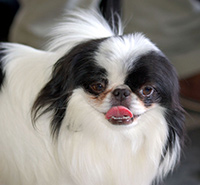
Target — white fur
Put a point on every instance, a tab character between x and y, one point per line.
116	156
78	26
119	58
89	150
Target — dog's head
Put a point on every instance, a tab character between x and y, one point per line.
121	79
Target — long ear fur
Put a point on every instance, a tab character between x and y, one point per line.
56	93
175	117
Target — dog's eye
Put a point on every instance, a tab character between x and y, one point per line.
98	87
147	91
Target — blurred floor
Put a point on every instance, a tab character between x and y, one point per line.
188	171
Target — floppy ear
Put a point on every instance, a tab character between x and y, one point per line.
175	119
176	133
67	75
55	94
175	116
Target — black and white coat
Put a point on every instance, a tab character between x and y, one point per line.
53	129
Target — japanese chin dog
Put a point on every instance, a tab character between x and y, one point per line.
95	108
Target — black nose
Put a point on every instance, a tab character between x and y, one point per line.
121	94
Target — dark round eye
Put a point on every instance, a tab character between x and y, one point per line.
98	87
147	91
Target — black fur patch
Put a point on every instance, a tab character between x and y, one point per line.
154	68
76	69
111	11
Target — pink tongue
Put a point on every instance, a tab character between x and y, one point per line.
118	111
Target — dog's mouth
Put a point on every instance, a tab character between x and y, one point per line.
120	115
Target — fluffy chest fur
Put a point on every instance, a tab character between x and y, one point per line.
117	156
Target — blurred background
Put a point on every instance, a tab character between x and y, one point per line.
174	25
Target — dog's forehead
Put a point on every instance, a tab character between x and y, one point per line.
118	54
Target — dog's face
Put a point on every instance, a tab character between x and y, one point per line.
117	80
128	83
